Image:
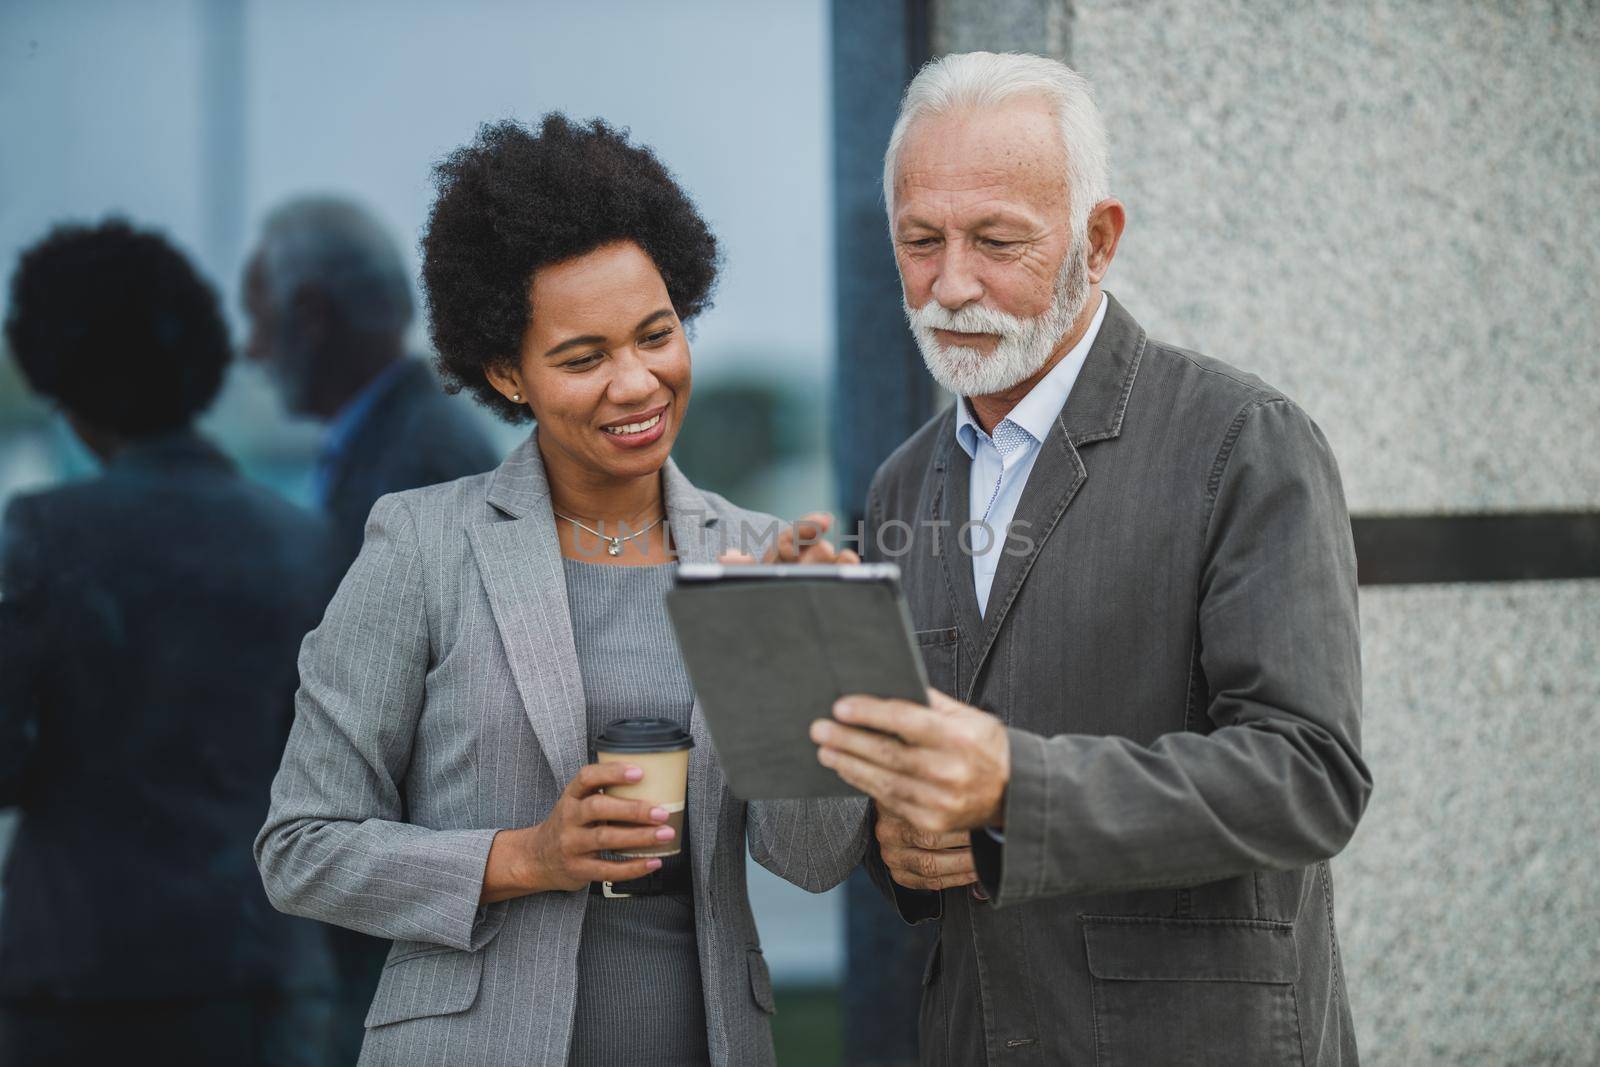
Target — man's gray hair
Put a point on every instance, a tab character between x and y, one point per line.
341	250
968	80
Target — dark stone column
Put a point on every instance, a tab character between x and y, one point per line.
881	394
881	390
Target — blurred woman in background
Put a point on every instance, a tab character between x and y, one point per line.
147	641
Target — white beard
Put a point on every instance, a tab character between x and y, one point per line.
1025	344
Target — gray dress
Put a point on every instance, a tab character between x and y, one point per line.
639	994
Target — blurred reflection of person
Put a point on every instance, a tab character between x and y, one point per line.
328	299
147	644
438	787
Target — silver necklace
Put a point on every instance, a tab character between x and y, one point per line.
613	544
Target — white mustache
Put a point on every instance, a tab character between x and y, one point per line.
973	318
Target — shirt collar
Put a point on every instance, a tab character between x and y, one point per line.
1036	412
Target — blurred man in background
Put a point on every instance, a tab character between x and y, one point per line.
329	301
149	620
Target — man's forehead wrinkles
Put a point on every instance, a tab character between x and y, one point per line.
997	203
975	217
959	178
1032	188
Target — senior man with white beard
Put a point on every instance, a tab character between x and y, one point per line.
1142	742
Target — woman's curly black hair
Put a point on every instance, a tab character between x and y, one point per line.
514	201
116	326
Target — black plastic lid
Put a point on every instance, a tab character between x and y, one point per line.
643	735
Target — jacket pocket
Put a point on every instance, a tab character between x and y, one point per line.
426	980
940	657
760	980
1192	991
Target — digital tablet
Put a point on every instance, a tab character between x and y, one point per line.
770	647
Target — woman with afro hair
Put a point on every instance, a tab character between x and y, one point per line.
149	616
439	788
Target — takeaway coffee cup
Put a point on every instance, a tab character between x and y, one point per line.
660	748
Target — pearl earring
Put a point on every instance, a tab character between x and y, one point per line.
516	397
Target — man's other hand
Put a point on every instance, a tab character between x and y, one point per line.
919	860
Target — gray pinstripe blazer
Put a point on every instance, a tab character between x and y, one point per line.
440	700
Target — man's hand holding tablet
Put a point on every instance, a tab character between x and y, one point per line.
942	768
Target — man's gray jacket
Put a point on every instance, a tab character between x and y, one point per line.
1171	640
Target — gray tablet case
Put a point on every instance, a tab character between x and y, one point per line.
771	647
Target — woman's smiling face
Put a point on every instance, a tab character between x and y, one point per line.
604	365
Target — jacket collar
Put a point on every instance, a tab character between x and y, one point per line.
357	412
178	448
1099	398
360	423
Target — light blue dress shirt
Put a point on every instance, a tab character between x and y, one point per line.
342	428
1001	462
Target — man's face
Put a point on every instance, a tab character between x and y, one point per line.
992	276
271	341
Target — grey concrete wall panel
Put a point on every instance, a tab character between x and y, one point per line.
1466	902
1388	210
1043	27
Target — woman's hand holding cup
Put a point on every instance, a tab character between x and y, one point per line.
564	851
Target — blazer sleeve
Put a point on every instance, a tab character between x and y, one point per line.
813	843
336	846
1278	782
912	905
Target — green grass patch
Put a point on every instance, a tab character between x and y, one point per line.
808	1029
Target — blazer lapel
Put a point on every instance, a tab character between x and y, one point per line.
951	504
1055	479
1093	412
519	557
696	538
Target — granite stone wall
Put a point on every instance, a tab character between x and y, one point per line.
1392	212
1467	902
